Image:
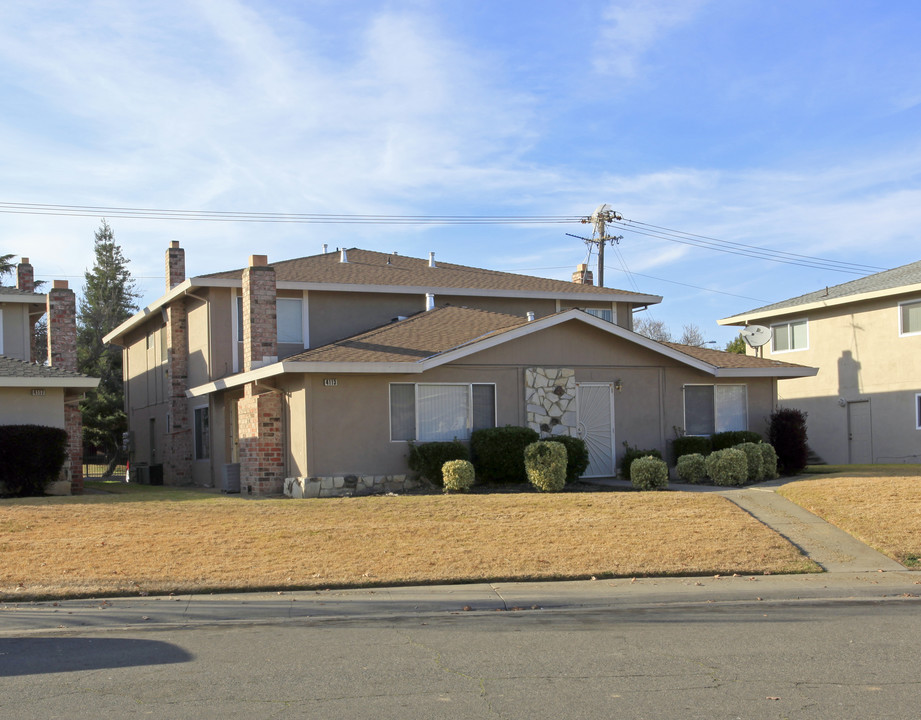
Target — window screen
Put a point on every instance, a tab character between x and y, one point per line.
911	317
290	315
402	411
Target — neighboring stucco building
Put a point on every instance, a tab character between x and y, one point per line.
321	370
864	405
40	393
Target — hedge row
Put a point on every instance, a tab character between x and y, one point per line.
31	456
746	462
497	454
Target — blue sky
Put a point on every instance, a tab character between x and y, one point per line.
788	125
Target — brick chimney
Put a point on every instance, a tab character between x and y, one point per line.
61	306
260	325
25	276
175	265
582	275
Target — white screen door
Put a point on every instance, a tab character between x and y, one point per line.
595	403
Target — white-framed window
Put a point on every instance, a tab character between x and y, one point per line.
793	335
918	411
711	409
289	313
202	428
289	319
910	317
430	412
603	313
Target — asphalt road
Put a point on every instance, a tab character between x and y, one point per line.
794	658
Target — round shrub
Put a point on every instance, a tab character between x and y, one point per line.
691	468
545	464
427	459
576	456
458	476
649	473
768	460
633	453
755	462
727	467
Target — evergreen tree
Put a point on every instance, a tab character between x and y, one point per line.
736	346
107	301
6	265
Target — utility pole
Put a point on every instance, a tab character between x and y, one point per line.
603	214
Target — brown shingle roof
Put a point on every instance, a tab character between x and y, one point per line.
418	337
366	267
722	359
13	368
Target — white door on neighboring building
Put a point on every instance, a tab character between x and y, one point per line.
595	416
859	432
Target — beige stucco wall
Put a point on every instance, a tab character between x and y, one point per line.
860	357
348	425
19	407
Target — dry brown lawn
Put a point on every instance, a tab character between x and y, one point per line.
882	511
161	541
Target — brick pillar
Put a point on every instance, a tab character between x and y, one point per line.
175	265
177	454
61	307
262	463
582	275
25	276
260	331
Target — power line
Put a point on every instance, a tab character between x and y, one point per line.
263	217
633	226
752	251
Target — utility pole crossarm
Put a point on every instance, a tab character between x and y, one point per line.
603	214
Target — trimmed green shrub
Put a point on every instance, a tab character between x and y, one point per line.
690	444
458	476
633	453
576	456
691	468
727	467
731	438
788	436
498	453
753	457
428	459
768	460
649	473
545	464
31	456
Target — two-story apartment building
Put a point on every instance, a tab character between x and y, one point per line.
42	393
325	368
864	405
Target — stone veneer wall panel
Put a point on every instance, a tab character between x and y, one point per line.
550	398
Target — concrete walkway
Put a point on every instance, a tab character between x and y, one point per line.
832	548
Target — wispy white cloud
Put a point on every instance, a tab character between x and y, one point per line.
631	28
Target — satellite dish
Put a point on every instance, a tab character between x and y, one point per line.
756	335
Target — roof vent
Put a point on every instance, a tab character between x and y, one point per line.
530	316
343	257
325	248
430	301
432	260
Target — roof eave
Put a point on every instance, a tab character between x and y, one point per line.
747	318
